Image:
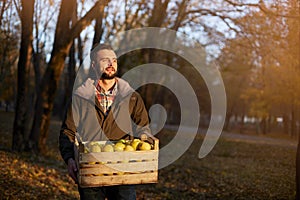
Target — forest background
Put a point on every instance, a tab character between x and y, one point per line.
255	44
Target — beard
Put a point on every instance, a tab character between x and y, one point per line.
107	76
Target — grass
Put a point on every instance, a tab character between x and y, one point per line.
233	170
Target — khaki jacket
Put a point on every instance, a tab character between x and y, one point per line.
127	117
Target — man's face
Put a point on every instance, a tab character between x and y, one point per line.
106	64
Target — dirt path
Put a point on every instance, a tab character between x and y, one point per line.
237	137
259	139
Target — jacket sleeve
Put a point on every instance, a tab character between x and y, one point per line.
140	116
67	136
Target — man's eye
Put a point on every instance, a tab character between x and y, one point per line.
104	60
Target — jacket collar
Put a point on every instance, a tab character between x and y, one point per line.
88	90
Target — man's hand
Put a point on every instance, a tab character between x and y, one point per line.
72	169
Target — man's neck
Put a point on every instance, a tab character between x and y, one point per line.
107	84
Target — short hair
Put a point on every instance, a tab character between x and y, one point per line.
98	47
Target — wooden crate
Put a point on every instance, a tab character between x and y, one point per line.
117	168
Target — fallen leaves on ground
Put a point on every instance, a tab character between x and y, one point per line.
23	176
233	170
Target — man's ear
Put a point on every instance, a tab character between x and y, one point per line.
93	66
93	70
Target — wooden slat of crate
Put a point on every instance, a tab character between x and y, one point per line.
108	168
118	156
140	167
94	181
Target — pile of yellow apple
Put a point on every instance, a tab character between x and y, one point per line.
121	145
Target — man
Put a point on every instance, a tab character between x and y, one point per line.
104	107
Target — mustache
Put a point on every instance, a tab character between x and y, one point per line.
108	76
110	67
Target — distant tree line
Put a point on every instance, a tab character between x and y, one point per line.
256	46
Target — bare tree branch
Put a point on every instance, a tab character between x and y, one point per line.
261	5
2	11
18	7
86	20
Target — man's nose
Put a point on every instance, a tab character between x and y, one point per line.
110	62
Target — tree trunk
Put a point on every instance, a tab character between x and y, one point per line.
18	143
269	124
157	18
263	125
98	28
242	123
71	74
298	171
45	98
62	43
298	148
286	124
227	121
159	13
293	123
69	78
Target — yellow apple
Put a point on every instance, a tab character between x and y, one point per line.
129	148
135	144
108	148
119	146
144	146
96	148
